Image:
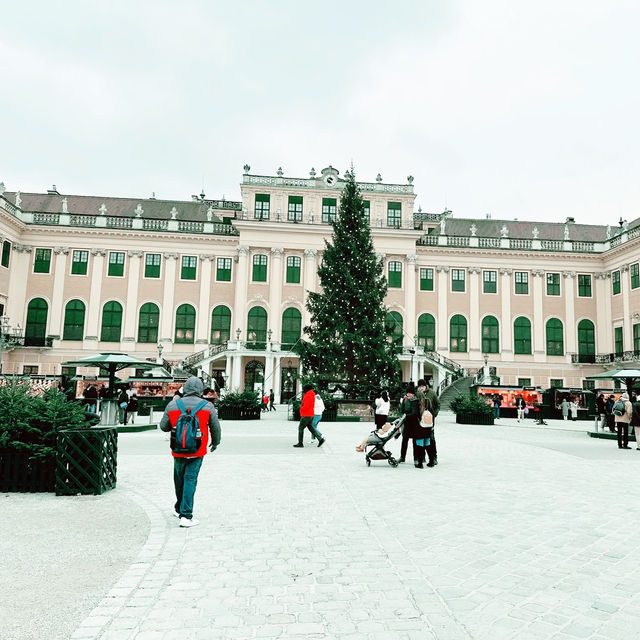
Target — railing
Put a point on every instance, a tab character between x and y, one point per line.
119	223
312	183
583	358
46	218
153	224
10	207
224	229
426	217
190	226
516	243
458	241
31	341
82	221
210	351
623	356
489	243
551	245
586	247
427	241
224	204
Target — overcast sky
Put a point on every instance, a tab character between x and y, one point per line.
525	110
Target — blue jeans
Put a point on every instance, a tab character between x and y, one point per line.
185	479
316	420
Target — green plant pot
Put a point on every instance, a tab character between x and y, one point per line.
20	473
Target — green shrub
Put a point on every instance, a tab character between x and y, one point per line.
235	400
470	404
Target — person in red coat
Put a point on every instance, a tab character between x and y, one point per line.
306	416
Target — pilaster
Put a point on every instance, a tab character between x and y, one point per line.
168	295
275	292
204	303
92	331
442	326
506	330
57	296
133	271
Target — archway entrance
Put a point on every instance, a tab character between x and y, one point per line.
288	384
254	376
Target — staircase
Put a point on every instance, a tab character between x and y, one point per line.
460	386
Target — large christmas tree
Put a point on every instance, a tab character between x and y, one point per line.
347	338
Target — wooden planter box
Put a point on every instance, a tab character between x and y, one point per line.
467	417
19	473
235	413
86	461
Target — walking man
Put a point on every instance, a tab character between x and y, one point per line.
272	399
186	466
307	411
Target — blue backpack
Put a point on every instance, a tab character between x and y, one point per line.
187	437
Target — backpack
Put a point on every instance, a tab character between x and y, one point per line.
187	437
411	407
619	408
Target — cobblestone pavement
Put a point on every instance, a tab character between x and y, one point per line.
518	533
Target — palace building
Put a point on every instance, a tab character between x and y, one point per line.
220	286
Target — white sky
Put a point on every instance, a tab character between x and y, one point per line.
525	110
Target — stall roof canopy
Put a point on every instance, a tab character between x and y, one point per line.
111	361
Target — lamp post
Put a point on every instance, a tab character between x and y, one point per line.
7	340
238	334
160	350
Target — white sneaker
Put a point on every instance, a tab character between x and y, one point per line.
186	522
175	513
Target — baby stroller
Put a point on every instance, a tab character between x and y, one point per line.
376	450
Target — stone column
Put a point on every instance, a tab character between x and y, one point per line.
236	372
57	296
92	331
627	336
475	341
505	334
539	347
202	336
604	336
17	293
442	327
239	320
168	293
570	329
309	281
410	296
275	292
277	378
227	372
133	280
268	373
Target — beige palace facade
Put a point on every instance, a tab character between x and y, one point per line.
219	286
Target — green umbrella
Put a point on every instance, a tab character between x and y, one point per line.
628	375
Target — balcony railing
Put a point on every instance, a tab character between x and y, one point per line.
621	356
36	341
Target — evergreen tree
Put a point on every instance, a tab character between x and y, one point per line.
347	337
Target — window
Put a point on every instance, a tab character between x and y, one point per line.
457	280
556	383
427	332
426	279
294	213
394	214
634	272
260	268
263	205
522	336
584	285
73	320
586	341
553	284
490	335
291	327
188	268
42	262
618	343
555	339
223	270
116	263
185	324
220	324
366	204
458	334
6	253
257	326
524	382
393	325
329	209
79	262
293	269
395	274
148	321
588	385
68	372
152	265
615	282
636	338
489	281
111	322
522	282
30	369
36	329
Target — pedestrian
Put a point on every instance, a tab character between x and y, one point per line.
635	420
573	409
272	399
521	405
497	402
91	398
564	406
186	466
622	410
102	392
123	402
318	410
265	403
307	412
429	399
410	406
601	414
381	409
132	408
611	400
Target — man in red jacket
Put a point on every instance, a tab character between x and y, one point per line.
306	416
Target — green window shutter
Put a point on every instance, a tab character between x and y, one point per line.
188	268
634	272
223	270
329	209
262	206
394	327
524	382
522	336
79	262
522	282
636	339
111	322
490	335
260	268
291	327
220	325
293	269
6	253
36	329
294	211
185	324
586	338
584	285
555	338
426	279
42	263
395	274
618	341
366	204
489	281
457	280
257	325
556	383
116	263
394	214
427	332
615	282
553	284
73	320
148	321
152	265
458	334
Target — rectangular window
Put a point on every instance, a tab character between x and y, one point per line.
116	263
79	262
584	285
522	282
394	214
152	265
30	369
69	372
457	279
617	341
636	338
223	270
6	253
615	282
524	382
426	279
395	275
42	262
293	269
188	268
367	210
588	385
263	206
260	268
635	275
556	383
294	213
489	281
553	284
329	209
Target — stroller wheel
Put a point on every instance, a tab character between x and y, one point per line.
368	462
393	462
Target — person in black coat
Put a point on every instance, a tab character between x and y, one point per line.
410	406
123	402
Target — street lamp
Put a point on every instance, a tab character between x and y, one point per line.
269	334
160	350
238	334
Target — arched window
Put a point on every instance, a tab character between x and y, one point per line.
257	325
148	321
458	334
291	327
111	322
220	324
185	324
73	320
490	335
586	341
555	340
427	332
393	324
522	335
36	329
254	376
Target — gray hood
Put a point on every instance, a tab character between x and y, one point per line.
193	387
